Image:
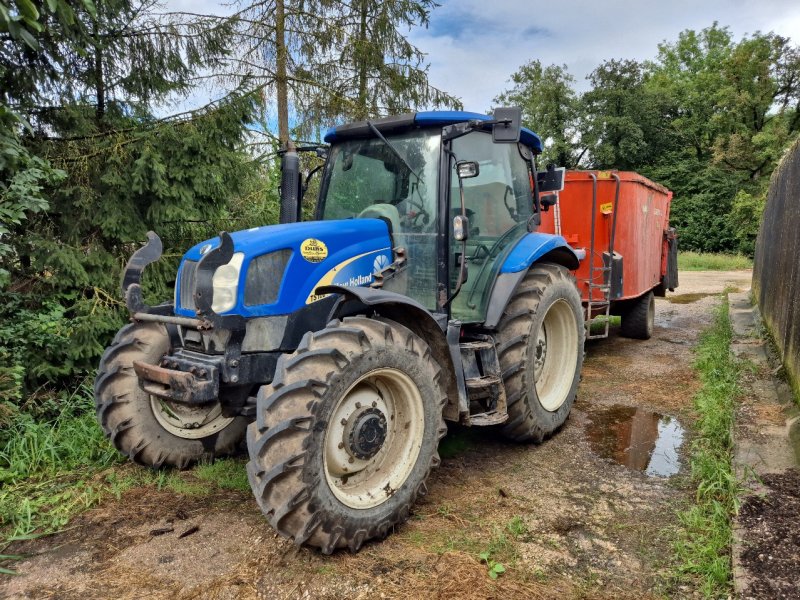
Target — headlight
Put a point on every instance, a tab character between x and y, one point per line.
226	284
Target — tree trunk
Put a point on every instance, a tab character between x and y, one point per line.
361	61
281	77
99	83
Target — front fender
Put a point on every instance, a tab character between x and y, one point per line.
534	246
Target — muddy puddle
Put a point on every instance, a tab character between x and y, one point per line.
686	298
636	438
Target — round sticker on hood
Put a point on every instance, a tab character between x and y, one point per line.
314	251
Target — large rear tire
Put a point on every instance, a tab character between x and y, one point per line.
347	433
540	347
638	321
148	430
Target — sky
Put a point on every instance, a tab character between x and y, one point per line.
474	46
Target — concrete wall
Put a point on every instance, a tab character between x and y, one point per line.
776	272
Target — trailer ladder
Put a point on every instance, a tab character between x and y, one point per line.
603	306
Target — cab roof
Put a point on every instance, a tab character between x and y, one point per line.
436	118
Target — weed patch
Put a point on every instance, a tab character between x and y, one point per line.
703	545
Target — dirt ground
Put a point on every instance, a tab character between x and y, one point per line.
562	518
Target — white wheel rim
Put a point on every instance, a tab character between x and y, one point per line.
187	421
369	481
555	355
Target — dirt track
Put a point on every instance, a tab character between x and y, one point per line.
563	520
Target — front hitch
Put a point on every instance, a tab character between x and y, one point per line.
131	280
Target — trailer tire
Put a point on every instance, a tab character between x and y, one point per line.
317	480
639	318
541	370
126	412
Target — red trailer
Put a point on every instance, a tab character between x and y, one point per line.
621	219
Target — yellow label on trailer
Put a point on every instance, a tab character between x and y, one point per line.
607	208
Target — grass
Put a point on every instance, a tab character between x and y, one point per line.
704	542
708	261
55	462
53	465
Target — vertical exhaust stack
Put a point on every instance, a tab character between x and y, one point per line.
290	185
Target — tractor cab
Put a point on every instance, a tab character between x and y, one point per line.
405	171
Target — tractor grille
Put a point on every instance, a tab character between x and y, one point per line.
188	272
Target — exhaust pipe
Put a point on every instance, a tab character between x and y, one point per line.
290	185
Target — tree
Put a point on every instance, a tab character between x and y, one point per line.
125	170
322	60
550	107
737	110
625	118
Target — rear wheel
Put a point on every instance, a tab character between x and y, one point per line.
150	430
347	433
639	319
540	348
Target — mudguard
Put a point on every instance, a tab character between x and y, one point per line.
374	297
533	248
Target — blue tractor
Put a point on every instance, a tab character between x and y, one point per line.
338	348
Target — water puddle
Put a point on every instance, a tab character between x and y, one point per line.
687	298
636	438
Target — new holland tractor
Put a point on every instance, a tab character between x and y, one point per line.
338	348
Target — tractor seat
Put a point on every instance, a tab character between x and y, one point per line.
387	212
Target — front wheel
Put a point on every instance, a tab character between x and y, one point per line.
347	433
150	430
540	348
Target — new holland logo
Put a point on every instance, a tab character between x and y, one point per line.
380	263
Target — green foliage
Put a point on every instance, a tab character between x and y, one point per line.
703	548
495	569
709	118
549	107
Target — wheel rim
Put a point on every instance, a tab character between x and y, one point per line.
374	437
651	315
186	421
555	355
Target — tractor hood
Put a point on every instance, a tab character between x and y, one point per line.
282	265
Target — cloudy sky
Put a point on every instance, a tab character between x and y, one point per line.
475	45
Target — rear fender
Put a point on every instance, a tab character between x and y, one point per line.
531	249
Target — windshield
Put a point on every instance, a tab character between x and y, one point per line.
365	179
365	175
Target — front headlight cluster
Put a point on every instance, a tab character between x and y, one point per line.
226	284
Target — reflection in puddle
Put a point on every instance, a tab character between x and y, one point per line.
636	438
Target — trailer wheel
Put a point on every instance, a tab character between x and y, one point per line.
639	319
150	431
347	433
540	347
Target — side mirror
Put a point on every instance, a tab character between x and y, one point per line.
460	228
551	179
467	169
508	126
